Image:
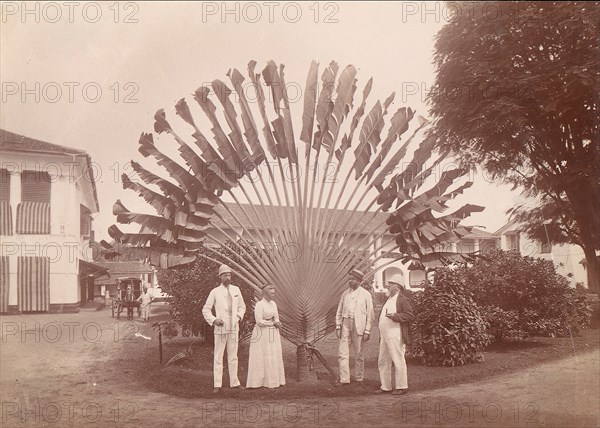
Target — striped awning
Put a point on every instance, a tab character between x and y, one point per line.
33	284
4	283
33	218
6	228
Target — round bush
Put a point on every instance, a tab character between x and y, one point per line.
525	295
450	329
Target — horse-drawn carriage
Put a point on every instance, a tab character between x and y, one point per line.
128	291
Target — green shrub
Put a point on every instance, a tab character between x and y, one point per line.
579	312
529	296
449	327
502	323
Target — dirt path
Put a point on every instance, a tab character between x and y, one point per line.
76	370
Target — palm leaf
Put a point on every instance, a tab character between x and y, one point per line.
283	205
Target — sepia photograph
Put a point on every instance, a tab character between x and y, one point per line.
299	214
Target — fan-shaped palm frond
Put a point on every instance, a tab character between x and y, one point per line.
293	227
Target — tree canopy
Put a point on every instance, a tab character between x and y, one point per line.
517	94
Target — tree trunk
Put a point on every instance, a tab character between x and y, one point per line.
593	270
303	362
585	210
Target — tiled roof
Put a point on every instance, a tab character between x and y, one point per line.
126	267
477	233
511	226
121	269
274	217
15	142
9	141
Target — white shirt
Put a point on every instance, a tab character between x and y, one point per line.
385	323
350	304
265	313
145	298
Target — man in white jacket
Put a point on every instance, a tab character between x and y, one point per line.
229	307
394	334
353	325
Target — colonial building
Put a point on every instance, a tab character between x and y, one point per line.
568	259
47	200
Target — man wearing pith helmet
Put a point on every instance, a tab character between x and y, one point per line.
394	334
353	321
229	307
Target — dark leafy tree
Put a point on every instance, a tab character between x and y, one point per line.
517	93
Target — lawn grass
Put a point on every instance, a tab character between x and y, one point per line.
194	377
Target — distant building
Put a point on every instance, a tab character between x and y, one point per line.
119	270
47	200
568	259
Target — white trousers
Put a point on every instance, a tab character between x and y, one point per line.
391	350
230	341
350	336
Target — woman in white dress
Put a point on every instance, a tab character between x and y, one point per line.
265	364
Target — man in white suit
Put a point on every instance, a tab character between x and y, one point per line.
353	326
394	334
229	307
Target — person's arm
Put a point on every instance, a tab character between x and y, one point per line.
339	312
370	313
241	309
276	317
207	308
404	310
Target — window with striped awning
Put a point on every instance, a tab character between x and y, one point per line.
33	284
33	213
4	185
35	186
6	228
4	283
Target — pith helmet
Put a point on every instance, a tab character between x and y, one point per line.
396	278
224	269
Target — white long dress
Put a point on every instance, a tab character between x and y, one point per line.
265	364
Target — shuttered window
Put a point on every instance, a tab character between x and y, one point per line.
35	186
85	221
6	228
4	283
33	213
33	284
4	185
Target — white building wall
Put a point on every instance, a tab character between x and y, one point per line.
566	257
63	245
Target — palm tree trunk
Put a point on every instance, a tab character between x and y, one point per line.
303	362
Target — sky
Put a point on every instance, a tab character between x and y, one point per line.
92	75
